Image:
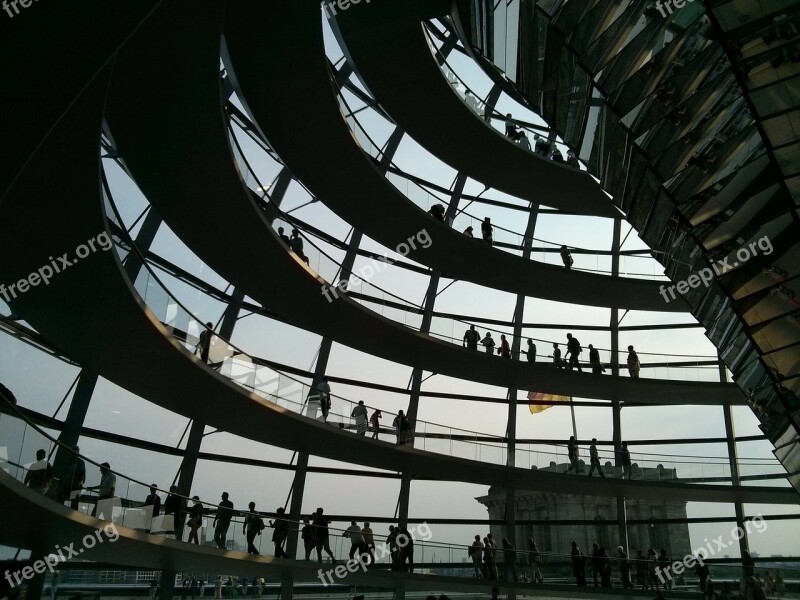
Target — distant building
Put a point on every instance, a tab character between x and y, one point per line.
602	511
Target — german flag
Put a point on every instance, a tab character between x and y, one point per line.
540	401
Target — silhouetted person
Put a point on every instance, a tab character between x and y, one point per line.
625	461
296	244
471	101
703	572
321	534
535	561
594	360
566	258
437	212
754	590
509	560
222	521
605	572
40	474
307	535
504	350
324	395
557	156
154	500
572	454
488	343
356	539
557	360
195	521
475	551
578	567
369	542
359	413
487	231
633	363
663	568
572	160
468	232
531	354
394	549
280	533
597	562
402	427
594	459
642	574
489	562
780	584
573	352
512	129
624	567
769	584
73	478
471	338
540	145
204	343
253	525
375	422
107	487
283	236
174	505
407	551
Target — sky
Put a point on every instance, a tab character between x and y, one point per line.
42	382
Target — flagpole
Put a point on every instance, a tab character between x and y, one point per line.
574	427
572	410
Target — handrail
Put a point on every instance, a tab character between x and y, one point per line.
352	114
579	250
467	432
400	173
299	224
424	183
145	263
6	406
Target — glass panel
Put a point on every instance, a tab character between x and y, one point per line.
499	46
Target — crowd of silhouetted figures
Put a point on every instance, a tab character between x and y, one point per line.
438	212
651	570
472	339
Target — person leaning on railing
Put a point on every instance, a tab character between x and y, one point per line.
108	482
40	474
512	129
633	363
72	479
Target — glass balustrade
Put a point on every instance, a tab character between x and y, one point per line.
378	300
293	394
193	520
